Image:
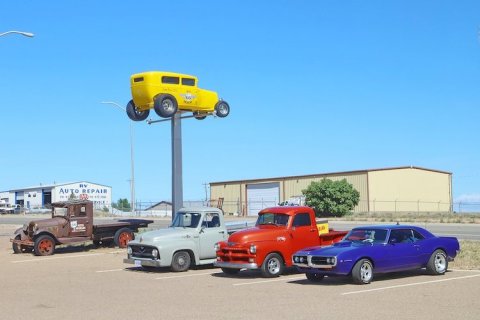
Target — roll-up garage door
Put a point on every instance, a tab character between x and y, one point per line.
262	195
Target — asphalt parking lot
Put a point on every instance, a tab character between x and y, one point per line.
86	283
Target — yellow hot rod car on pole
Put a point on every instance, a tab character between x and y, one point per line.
168	92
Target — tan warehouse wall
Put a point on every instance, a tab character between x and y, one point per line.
409	190
234	195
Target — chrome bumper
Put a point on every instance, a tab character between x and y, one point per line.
221	264
146	263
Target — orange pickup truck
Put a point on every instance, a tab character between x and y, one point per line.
269	246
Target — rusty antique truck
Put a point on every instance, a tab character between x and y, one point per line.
72	222
269	246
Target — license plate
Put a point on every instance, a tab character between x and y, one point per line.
138	263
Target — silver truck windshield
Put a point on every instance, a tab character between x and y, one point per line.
278	219
186	220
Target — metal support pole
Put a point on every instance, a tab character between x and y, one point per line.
177	184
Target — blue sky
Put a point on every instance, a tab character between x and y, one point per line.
314	86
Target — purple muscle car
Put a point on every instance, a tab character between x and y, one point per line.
378	249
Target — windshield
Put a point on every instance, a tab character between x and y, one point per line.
278	219
186	220
367	235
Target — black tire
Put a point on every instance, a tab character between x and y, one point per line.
222	109
44	246
134	114
199	116
314	277
438	263
122	237
181	261
272	266
20	248
362	272
165	105
230	270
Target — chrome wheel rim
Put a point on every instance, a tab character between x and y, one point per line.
366	272
273	266
440	263
167	105
181	260
222	109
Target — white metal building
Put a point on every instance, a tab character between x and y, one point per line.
42	195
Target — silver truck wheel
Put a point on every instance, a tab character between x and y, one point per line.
180	261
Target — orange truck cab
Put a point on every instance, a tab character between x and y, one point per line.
269	246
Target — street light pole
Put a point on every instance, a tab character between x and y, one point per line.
26	34
132	166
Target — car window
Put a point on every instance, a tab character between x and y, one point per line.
402	236
417	236
188	82
170	80
367	235
211	220
301	220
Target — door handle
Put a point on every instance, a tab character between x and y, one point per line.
221	232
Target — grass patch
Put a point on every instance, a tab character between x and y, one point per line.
469	256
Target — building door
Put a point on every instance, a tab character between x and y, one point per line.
262	195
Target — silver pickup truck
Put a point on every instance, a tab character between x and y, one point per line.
190	240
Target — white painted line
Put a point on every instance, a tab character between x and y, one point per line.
41	259
410	284
117	251
464	270
187	275
113	270
267	281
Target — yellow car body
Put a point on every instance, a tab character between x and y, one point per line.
167	92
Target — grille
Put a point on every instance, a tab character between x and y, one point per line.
142	251
324	261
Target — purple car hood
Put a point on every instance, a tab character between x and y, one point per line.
339	247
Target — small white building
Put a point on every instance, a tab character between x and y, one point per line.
43	195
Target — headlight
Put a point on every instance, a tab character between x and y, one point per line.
129	250
155	253
331	260
295	259
253	249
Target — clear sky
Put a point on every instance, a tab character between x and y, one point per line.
313	86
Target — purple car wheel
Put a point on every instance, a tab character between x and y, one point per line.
362	272
438	263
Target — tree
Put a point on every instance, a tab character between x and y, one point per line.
122	204
329	197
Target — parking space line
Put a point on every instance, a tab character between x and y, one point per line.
187	275
112	270
41	259
267	281
410	284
